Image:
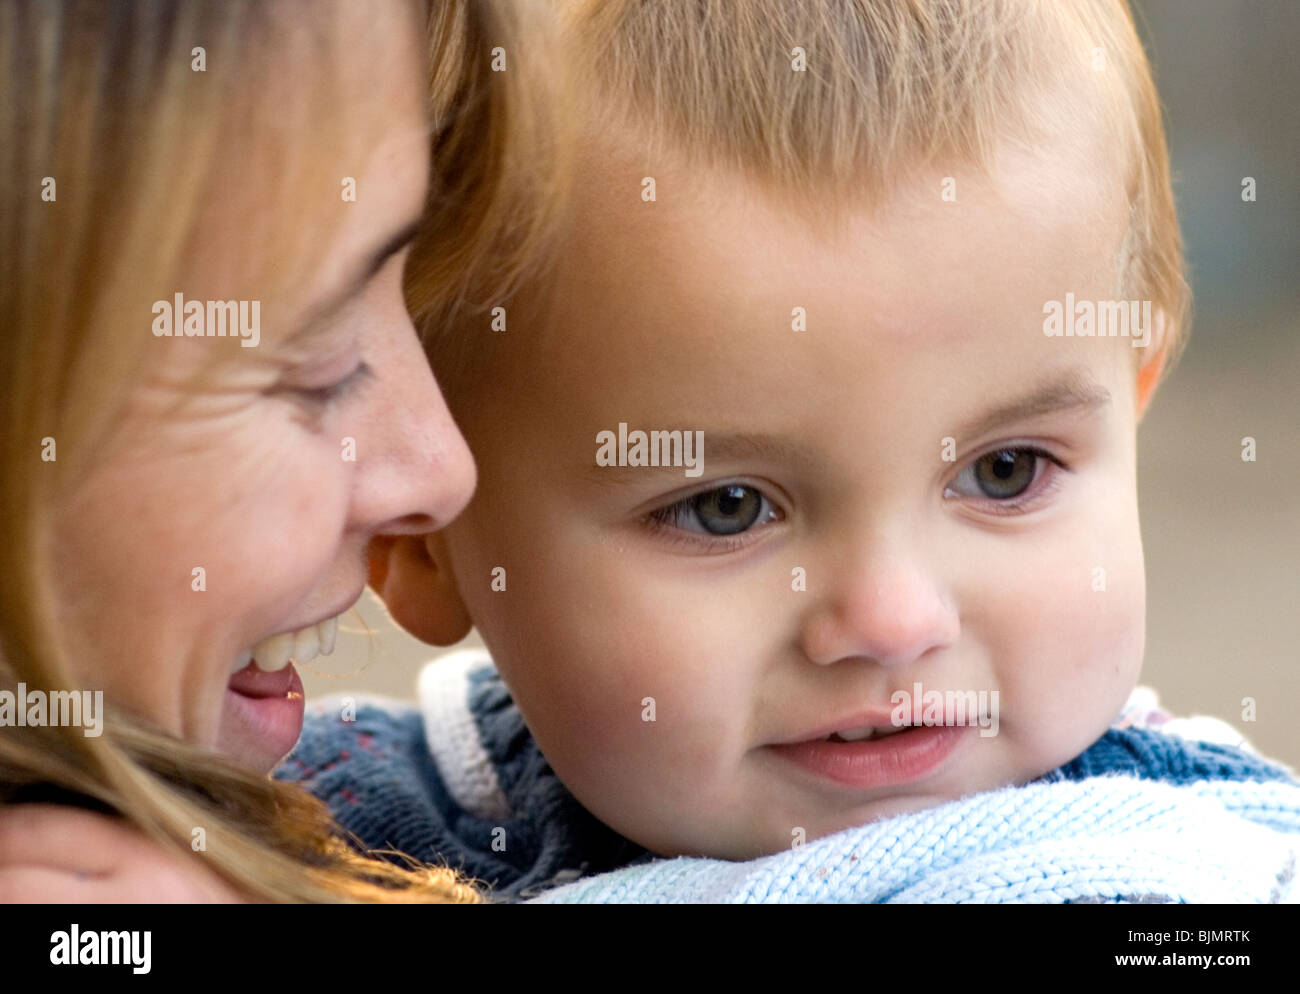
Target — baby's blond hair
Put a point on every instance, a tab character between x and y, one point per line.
888	87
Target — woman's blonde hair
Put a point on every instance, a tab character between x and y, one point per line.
118	120
840	101
480	248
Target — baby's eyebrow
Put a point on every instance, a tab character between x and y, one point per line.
739	446
720	445
1072	391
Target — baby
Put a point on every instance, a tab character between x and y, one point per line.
807	477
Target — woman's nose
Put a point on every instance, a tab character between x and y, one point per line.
420	474
884	606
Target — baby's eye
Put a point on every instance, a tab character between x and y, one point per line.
1003	475
727	510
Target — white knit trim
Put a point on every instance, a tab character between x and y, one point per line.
452	733
1198	728
1204	728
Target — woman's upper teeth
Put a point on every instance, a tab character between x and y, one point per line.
302	646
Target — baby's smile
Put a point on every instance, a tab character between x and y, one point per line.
900	757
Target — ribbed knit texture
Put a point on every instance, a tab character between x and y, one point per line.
1134	817
378	777
1097	841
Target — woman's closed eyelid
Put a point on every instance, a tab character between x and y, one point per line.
341	387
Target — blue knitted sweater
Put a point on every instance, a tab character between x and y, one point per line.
459	780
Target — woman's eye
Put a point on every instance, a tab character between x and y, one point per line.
725	510
1002	475
333	391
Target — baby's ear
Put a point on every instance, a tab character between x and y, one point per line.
411	575
1153	364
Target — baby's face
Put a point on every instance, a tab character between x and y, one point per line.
918	487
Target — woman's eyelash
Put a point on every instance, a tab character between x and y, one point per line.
325	395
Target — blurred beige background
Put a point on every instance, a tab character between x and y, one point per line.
1222	536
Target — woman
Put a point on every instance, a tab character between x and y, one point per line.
211	399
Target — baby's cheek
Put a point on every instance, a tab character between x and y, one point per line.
1075	653
663	705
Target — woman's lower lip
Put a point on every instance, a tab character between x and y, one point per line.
272	723
893	759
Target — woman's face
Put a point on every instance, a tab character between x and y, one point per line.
199	534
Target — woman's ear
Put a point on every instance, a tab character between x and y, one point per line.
412	576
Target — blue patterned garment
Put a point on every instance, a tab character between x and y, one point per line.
459	781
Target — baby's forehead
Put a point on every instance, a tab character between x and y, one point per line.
713	238
713	299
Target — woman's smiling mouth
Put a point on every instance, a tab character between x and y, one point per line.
263	715
264	698
300	645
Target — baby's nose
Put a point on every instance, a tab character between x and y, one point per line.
891	611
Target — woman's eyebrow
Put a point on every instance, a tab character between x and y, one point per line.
374	261
389	248
1073	391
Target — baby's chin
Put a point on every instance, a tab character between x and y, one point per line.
889	807
885	808
776	836
754	842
